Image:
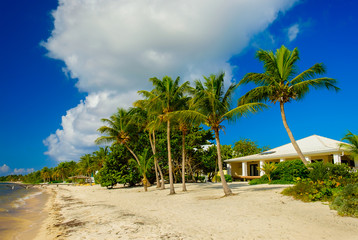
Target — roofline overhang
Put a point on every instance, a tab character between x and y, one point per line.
257	157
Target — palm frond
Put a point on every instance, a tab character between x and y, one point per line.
301	88
244	110
310	73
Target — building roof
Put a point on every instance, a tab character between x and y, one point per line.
309	146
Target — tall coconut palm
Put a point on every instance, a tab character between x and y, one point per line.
150	122
166	97
212	106
281	84
118	129
352	147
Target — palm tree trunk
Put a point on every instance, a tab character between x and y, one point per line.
159	168
135	156
155	160
216	170
290	135
145	182
183	162
172	191
226	188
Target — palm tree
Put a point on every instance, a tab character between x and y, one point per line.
211	106
144	166
279	83
352	147
46	174
101	155
118	129
149	120
166	97
86	166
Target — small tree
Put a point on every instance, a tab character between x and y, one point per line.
268	168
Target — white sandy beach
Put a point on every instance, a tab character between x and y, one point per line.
256	212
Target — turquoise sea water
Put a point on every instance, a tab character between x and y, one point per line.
19	209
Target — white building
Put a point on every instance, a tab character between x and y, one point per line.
314	148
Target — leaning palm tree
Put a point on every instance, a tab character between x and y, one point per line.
352	147
212	106
165	98
280	84
118	129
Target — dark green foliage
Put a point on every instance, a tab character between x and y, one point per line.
290	170
308	190
323	171
228	178
264	179
245	147
217	178
346	202
117	169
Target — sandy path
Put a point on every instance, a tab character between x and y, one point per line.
256	212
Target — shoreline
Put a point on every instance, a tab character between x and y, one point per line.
255	212
25	213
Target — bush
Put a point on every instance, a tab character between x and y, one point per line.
308	190
290	170
346	201
323	171
228	178
264	179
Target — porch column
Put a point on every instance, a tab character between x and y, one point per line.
261	166
308	159
228	166
337	159
244	168
282	160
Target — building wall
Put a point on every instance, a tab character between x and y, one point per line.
236	169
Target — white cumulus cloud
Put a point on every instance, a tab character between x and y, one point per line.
111	45
4	168
81	122
293	31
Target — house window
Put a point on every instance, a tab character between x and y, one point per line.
254	170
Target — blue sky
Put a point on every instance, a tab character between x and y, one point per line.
64	66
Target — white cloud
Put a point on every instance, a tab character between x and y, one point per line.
118	45
81	122
293	31
22	171
4	168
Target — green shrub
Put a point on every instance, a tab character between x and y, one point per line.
323	171
289	171
264	179
308	190
228	178
346	201
279	181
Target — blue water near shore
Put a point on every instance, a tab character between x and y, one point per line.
16	208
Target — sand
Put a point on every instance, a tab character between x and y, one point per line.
255	212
